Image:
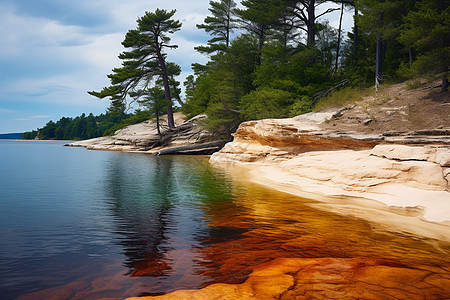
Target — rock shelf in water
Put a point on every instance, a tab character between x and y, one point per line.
327	278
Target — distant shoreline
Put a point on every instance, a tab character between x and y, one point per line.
33	140
10	136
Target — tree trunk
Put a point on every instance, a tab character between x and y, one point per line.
355	37
162	65
444	85
311	30
227	38
157	121
261	37
177	95
410	52
378	60
339	38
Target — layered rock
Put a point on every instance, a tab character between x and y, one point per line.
298	154
263	140
144	137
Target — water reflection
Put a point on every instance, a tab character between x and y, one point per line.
160	207
179	223
192	225
280	226
142	202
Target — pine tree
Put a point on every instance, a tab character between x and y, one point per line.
427	30
260	16
305	13
220	26
382	19
145	60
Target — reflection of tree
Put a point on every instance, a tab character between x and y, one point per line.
229	218
172	213
140	201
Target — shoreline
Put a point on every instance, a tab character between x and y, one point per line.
404	219
334	277
400	185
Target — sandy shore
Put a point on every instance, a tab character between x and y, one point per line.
398	203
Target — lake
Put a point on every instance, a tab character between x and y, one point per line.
79	224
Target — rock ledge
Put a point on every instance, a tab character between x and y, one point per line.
407	170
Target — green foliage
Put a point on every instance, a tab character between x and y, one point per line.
144	62
301	106
78	128
221	120
30	135
359	70
267	103
220	25
272	71
427	30
226	78
138	117
301	73
381	16
259	16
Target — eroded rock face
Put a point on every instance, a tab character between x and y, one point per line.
434	154
328	278
297	154
271	139
275	138
144	137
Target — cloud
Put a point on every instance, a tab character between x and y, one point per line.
82	12
40	117
32	117
31	34
6	111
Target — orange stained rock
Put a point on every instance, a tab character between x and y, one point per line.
150	267
281	249
328	278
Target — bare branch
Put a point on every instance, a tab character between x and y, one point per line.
300	14
169	46
228	108
327	11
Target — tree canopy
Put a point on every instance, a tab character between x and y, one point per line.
144	62
282	57
78	128
220	26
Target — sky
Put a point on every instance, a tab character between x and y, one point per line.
53	51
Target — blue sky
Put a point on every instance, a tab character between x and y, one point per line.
53	51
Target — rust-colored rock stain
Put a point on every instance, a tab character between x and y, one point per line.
270	245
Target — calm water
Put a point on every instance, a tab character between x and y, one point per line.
78	224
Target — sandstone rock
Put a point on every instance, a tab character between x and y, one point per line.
257	140
144	137
435	154
326	278
296	154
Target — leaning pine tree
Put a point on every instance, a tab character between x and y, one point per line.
145	60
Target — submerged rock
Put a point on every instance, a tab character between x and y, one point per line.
327	278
